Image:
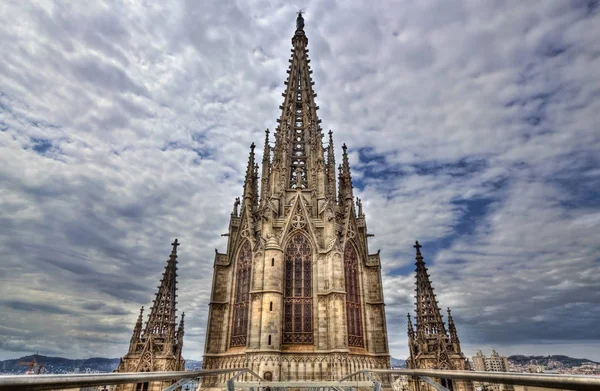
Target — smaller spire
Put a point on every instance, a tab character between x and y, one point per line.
331	167
181	321
137	331
452	331
267	149
266	169
249	185
345	185
411	331
180	329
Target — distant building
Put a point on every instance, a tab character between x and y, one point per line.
493	363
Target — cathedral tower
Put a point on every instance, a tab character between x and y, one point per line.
296	295
158	346
431	346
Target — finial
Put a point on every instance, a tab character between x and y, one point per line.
175	244
344	147
252	146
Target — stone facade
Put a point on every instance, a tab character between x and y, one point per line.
431	346
158	346
297	295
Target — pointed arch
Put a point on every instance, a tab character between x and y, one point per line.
297	302
242	296
353	305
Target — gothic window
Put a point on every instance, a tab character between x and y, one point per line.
353	313
297	302
242	296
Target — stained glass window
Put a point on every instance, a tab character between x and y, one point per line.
353	313
297	302
242	296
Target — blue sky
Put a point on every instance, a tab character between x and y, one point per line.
471	127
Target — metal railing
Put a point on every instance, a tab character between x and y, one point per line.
569	382
52	382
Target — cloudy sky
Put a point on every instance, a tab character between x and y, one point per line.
472	126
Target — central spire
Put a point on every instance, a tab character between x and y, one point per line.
298	152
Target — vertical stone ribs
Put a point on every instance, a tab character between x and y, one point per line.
161	321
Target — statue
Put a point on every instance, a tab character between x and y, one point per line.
235	207
300	21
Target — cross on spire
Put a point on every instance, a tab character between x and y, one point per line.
417	246
175	244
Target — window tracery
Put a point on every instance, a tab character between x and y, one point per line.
297	308
353	312
242	297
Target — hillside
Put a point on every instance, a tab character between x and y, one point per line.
565	361
60	365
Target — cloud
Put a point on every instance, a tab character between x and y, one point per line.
471	127
45	308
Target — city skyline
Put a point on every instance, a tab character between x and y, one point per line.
469	128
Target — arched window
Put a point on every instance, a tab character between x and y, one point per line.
242	296
297	308
353	316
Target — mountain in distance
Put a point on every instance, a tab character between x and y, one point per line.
60	365
565	361
397	362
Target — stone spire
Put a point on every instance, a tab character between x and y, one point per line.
431	347
331	168
298	142
250	188
429	320
159	347
137	331
180	331
161	321
452	331
345	179
411	331
266	170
